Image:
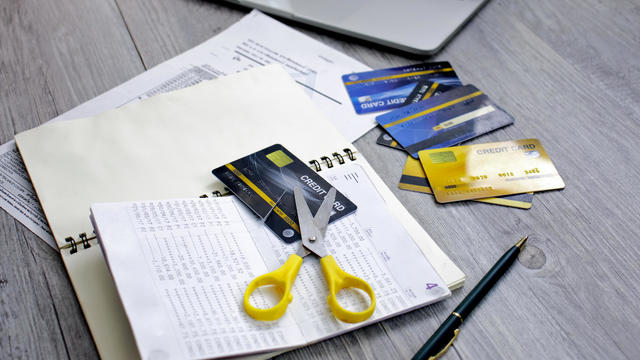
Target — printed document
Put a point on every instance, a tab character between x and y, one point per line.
181	268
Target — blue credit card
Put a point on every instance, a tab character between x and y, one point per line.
422	91
387	89
454	116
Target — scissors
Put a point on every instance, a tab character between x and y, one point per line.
312	230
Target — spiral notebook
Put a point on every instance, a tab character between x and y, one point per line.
165	147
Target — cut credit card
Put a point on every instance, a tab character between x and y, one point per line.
455	116
424	90
386	140
414	179
489	170
386	89
265	180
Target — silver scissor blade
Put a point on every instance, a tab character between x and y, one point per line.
305	219
302	251
324	212
311	235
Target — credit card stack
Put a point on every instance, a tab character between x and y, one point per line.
429	111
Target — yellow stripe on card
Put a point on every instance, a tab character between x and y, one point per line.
431	90
464	117
433	109
264	197
398	76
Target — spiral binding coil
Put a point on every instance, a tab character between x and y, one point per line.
340	158
327	161
350	154
73	244
217	193
85	240
316	165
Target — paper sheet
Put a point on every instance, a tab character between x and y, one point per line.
185	298
254	41
195	257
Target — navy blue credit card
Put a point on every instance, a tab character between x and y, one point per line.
452	117
386	89
265	180
424	90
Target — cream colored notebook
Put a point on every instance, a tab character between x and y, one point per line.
166	147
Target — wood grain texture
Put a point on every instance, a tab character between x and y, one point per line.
53	56
568	72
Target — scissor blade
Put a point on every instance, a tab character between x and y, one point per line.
324	212
305	219
302	251
311	235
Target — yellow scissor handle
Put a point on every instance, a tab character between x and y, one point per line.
337	279
283	279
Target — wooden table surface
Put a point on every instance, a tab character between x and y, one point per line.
567	70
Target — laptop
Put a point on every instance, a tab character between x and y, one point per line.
415	26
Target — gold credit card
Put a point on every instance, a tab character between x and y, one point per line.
414	179
489	170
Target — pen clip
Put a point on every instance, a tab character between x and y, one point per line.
455	335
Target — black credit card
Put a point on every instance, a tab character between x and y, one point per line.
426	89
386	140
265	180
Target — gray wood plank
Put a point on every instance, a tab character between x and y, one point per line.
28	320
53	56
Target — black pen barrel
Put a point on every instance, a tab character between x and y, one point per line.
486	283
440	339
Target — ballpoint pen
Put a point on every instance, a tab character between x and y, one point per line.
442	339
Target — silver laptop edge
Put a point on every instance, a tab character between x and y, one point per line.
416	26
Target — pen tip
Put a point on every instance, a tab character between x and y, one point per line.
520	244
